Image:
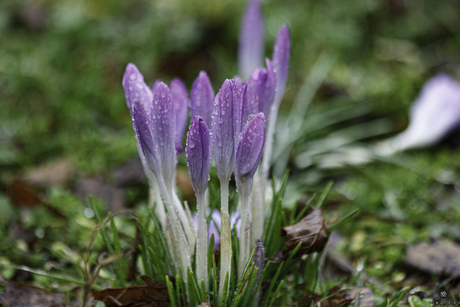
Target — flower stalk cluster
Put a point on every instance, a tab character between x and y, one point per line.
232	122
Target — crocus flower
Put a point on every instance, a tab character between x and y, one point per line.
249	153
198	154
263	82
433	114
215	225
136	89
251	43
281	55
198	161
164	128
223	130
248	156
180	101
202	98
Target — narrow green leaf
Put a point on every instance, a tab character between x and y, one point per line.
273	282
302	213
210	253
121	270
223	298
170	287
333	227
204	295
215	288
324	194
276	293
193	290
248	291
259	283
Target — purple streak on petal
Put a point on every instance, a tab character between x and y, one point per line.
223	131
268	96
237	110
198	153
281	54
202	98
250	105
249	152
180	101
145	138
251	43
135	88
164	128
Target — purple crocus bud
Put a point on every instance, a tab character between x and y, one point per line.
263	82
180	101
155	84
250	105
145	138
259	258
281	54
223	130
164	128
202	98
238	84
135	88
249	153
198	154
433	114
251	44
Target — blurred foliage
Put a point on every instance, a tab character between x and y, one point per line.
61	65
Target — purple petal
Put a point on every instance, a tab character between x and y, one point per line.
435	112
198	154
281	54
202	98
251	44
250	105
164	128
250	150
145	138
155	84
223	131
263	82
135	88
180	101
237	110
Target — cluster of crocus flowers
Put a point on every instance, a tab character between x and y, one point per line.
232	123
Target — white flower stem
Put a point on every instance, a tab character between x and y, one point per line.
225	237
244	247
257	208
155	198
188	228
202	242
179	236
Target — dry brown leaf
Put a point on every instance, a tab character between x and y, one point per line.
56	172
311	231
20	295
205	304
22	195
362	296
140	296
336	297
439	257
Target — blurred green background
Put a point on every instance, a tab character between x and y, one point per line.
61	66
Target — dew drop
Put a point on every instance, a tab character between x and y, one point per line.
191	144
130	88
139	85
132	76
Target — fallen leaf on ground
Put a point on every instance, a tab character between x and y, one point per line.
22	195
97	186
439	257
56	172
20	295
311	231
153	294
338	297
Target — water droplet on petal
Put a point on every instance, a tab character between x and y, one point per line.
191	144
132	76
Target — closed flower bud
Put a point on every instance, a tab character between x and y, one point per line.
251	43
202	98
136	89
281	54
198	152
180	101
